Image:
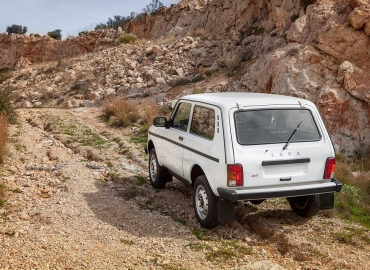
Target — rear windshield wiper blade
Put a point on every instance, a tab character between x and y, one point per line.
291	136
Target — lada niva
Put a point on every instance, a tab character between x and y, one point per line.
234	147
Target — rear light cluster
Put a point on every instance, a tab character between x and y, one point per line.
329	168
235	175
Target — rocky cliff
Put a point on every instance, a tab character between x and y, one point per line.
45	49
323	56
314	50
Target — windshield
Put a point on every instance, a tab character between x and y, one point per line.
275	126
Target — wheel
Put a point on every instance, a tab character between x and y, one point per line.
158	175
257	202
305	206
205	203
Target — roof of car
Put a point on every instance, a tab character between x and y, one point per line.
231	99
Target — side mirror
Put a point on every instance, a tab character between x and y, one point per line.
160	122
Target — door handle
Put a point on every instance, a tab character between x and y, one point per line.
181	138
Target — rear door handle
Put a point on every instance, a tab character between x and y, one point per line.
286	179
181	138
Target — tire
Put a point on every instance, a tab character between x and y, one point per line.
158	175
257	202
205	203
305	206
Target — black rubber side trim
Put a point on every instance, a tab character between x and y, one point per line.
186	147
285	161
233	196
182	179
339	184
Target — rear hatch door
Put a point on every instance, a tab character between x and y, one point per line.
261	145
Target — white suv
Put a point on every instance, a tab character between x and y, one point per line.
244	147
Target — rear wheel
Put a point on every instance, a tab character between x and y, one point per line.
205	203
158	175
305	206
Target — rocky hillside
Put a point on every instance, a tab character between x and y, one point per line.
318	51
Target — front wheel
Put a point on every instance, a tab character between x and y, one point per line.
305	206
158	175
205	203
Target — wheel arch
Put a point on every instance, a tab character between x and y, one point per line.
196	171
150	146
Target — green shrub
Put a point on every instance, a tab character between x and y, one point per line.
5	73
180	81
210	71
6	106
56	34
2	195
3	136
353	202
197	78
253	31
293	51
274	34
126	39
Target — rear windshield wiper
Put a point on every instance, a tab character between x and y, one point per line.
291	136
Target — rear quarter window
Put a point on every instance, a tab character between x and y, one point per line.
275	126
203	122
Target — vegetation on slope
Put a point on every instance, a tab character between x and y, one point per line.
353	202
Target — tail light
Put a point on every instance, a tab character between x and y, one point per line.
329	168
235	175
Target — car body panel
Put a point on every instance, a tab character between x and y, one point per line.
212	156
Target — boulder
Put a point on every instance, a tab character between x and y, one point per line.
359	17
69	75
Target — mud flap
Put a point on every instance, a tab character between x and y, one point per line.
326	201
225	211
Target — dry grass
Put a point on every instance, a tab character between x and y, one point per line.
152	110
121	112
200	32
168	39
3	136
2	195
126	39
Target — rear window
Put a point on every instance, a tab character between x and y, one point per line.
275	126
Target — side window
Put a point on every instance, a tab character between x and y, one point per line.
182	115
203	122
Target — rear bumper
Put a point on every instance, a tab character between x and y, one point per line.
235	195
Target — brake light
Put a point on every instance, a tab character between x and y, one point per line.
235	175
329	168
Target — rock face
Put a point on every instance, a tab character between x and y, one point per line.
218	17
44	49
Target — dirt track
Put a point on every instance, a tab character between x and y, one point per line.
80	198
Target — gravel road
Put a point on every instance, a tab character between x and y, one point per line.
79	197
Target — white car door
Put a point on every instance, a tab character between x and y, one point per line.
174	136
